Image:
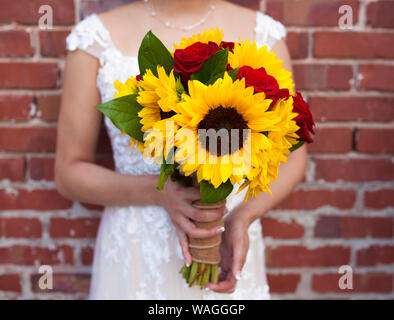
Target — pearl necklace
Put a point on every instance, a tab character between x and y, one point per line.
168	24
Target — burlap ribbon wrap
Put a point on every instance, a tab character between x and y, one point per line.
207	250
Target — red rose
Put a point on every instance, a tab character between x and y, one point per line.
262	82
304	119
229	45
138	77
191	59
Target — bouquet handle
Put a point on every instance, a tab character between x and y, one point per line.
205	252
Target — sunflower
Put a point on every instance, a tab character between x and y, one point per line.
125	89
207	36
158	97
226	105
247	54
267	168
288	136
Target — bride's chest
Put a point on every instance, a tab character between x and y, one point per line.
114	66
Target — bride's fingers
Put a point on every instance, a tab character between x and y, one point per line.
225	286
192	231
184	245
203	215
222	275
191	194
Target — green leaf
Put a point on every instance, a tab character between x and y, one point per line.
166	171
180	89
213	68
152	53
123	113
296	146
233	73
209	194
299	144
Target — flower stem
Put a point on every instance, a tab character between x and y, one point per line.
214	274
193	273
200	274
205	278
186	273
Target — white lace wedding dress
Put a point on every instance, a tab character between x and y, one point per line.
137	254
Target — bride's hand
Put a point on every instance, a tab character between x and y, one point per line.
177	200
233	251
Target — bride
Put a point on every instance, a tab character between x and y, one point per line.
142	239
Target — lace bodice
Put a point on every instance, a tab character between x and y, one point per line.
137	254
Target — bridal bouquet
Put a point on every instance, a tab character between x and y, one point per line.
220	113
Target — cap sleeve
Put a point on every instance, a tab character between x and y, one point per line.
90	35
268	31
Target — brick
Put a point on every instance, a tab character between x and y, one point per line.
324	137
26	11
37	199
29	75
275	9
299	256
375	255
379	199
87	254
48	107
15	107
313	199
74	228
12	169
283	283
380	14
64	283
26	255
377	77
310	12
362	283
53	43
28	139
364	45
322	77
10	282
352	108
371	140
15	43
353	227
20	228
281	230
42	168
361	170
298	43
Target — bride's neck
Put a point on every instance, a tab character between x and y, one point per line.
173	8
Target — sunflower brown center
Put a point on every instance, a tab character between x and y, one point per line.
223	127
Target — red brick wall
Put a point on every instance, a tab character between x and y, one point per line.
340	215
